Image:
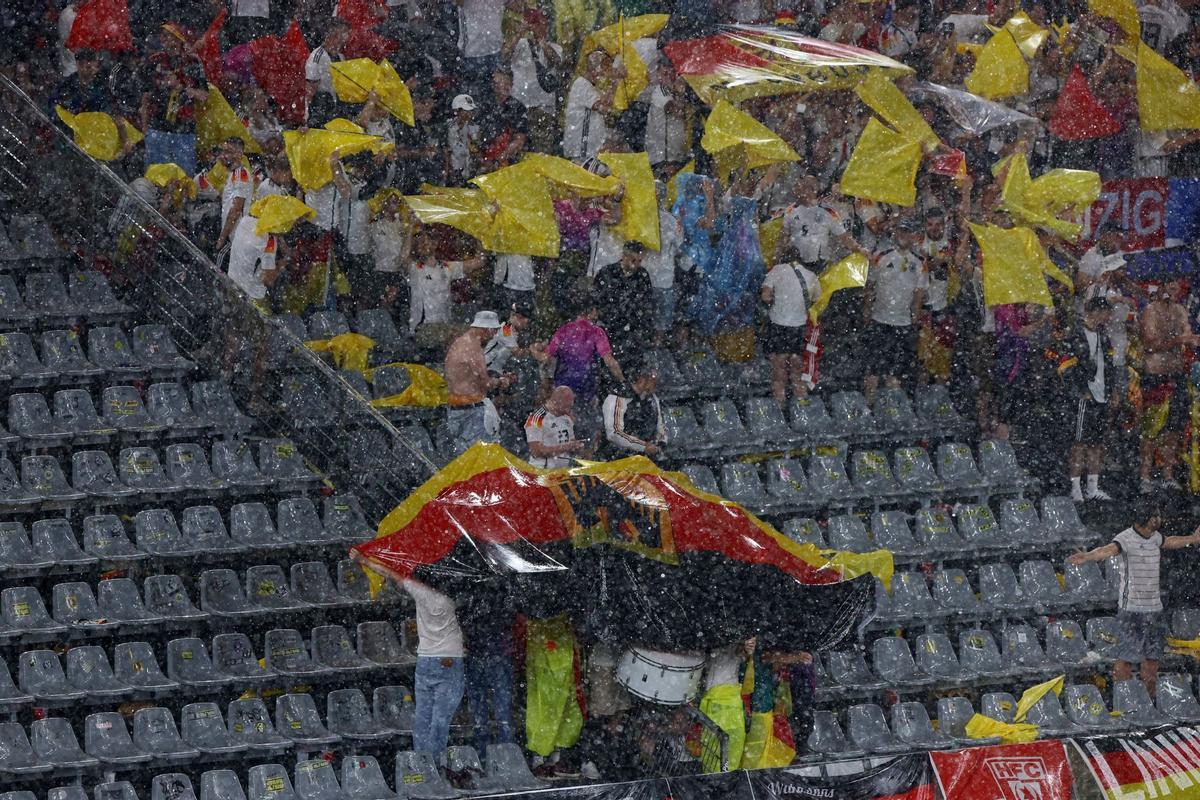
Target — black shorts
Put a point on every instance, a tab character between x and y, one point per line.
1091	422
783	340
890	351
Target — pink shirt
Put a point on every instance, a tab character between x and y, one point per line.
577	345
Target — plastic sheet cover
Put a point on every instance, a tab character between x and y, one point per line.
632	553
971	112
744	61
356	80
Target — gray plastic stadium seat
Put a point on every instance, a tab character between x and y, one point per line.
106	737
104	537
722	423
1001	706
233	461
55	538
827	738
850	412
893	411
233	654
765	422
1039	584
420	777
1185	623
189	664
12	305
250	724
88	669
742	484
979	529
883	602
934	407
267	586
140	469
378	642
953	593
24	611
327	324
250	525
168	403
1175	697
203	727
297	520
54	742
682	428
187	467
343	518
312	583
978	653
1132	700
702	477
214	406
1086	584
75	412
394	708
29	417
279	460
269	782
221	784
19	361
44	477
935	656
1102	635
154	347
953	714
890	531
287	654
911	724
157	533
332	648
348	715
1086	707
203	526
167	597
999	466
1061	518
92	472
117	790
914	471
999	587
62	353
135	663
109	349
297	718
16	553
507	768
125	411
90	291
1047	714
847	532
12	491
221	595
302	399
810	417
911	598
10	696
377	323
805	531
1019	519
46	294
957	469
869	730
786	483
894	662
827	478
872	475
172	785
1065	642
1020	646
17	757
315	780
154	732
464	770
352	583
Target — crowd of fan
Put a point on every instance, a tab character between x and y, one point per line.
492	80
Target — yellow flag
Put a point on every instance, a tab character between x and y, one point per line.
354	80
162	174
1167	98
1028	35
467	210
309	152
1014	265
523	220
1030	696
216	122
1124	12
639	203
981	727
1000	70
96	133
878	92
617	40
734	138
1040	202
883	166
278	213
568	177
848	273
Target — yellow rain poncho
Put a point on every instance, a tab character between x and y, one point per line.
882	96
617	40
553	719
279	213
1123	12
883	166
736	139
568	178
1000	69
523	220
162	174
216	121
96	133
1167	98
308	153
723	705
850	272
356	79
639	203
1014	265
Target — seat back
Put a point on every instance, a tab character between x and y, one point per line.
29	415
17	355
1065	642
506	765
827	735
702	477
868	727
312	583
1085	705
893	660
394	707
23	608
327	324
362	778
890	531
154	731
117	790
998	462
347	710
377	324
43	475
913	469
1131	698
269	782
933	404
267	585
952	590
279	459
286	651
74	409
56	538
40	673
419	769
741	483
104	534
1175	696
204	528
234	461
188	661
872	473
89	289
1185	623
168	403
343	518
296	716
203	726
911	723
953	714
1039	582
75	603
785	479
1085	582
46	292
167	597
722	421
1103	635
315	780
893	410
233	653
956	465
297	517
331	646
108	347
212	400
171	785
248	719
1021	646
1060	517
935	655
135	663
764	419
250	524
106	736
1001	706
850	411
978	526
910	595
810	416
804	531
221	592
88	668
15	548
1048	713
54	741
827	476
141	469
977	651
351	582
847	532
378	642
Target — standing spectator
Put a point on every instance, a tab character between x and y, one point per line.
1141	627
550	431
513	280
935	345
505	128
1166	340
625	297
168	109
391	240
506	343
660	265
895	296
538	73
789	292
813	228
480	39
438	688
66	20
585	130
571	360
429	279
279	180
85	89
487	617
1091	380
322	102
471	417
238	191
419	149
668	140
634	424
462	140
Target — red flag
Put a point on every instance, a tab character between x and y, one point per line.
364	42
101	25
208	49
360	13
1079	115
278	66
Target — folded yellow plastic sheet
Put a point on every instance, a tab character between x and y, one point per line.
279	213
617	40
1000	69
734	138
96	133
1167	98
883	166
848	273
1041	201
1123	12
308	153
467	210
1014	266
882	96
356	79
350	351
523	220
216	121
1033	694
568	178
426	388
1028	35
981	727
639	203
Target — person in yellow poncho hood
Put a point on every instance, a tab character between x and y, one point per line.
257	251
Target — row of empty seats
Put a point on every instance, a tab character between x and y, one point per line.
1085	712
46	296
135	670
118	603
152	354
141	475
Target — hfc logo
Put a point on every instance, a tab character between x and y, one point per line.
1019	778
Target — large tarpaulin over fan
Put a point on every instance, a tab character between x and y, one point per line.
744	61
633	553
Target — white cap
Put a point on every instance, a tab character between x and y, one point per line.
486	319
463	102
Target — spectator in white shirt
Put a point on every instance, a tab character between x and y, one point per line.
429	280
279	180
480	39
462	140
550	431
322	102
66	59
667	141
789	290
537	71
440	677
238	191
254	262
585	130
661	267
895	296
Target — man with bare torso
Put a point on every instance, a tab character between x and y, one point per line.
1166	337
470	416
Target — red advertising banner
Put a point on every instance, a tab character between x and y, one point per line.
1137	207
1005	772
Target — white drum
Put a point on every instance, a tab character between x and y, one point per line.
671	679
